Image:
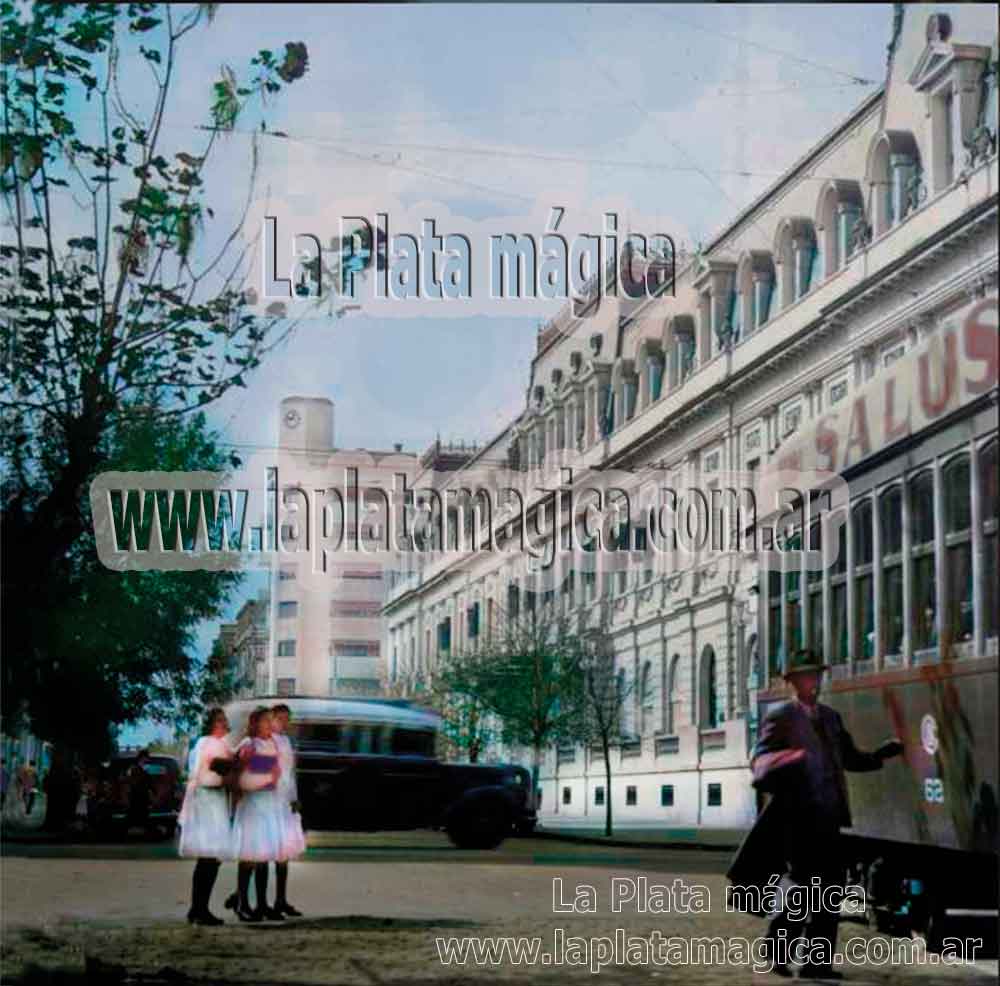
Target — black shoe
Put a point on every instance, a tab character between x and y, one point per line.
208	920
204	918
271	914
285	908
815	971
245	914
231	902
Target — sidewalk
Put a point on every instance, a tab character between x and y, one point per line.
662	838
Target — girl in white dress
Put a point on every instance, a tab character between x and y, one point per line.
294	840
204	815
258	831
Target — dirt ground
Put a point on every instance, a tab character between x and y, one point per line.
366	923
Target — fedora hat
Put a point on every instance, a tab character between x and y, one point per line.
804	661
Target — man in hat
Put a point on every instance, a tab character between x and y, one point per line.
800	758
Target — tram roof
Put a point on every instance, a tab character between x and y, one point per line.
310	708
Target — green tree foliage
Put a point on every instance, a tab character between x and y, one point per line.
117	292
459	696
118	646
527	674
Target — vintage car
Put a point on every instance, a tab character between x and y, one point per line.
369	764
108	800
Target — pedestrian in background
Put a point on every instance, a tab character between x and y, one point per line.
4	781
29	785
204	814
139	792
258	829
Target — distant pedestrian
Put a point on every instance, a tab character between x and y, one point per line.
139	792
204	814
29	785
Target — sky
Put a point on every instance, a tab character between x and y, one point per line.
484	117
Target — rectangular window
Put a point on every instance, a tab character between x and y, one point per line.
774	623
444	634
286	574
286	686
791	417
472	620
599	795
666	796
354	648
287	610
988	505
286	648
837	392
630	795
714	795
567	795
345	608
893	353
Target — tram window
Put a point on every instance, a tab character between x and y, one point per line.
891	524
989	502
327	733
958	539
413	742
923	618
864	588
891	503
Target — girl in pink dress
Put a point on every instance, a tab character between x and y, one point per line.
258	829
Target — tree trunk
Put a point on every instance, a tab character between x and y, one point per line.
607	792
536	770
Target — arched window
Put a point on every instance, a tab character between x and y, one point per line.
650	366
923	617
646	699
989	502
623	705
624	390
754	288
838	210
957	481
895	177
672	693
711	712
679	344
891	529
798	258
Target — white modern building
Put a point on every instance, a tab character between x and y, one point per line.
846	319
325	623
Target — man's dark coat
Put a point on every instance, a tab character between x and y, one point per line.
806	797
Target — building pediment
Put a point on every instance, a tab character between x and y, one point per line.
937	60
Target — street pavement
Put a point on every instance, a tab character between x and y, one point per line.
374	905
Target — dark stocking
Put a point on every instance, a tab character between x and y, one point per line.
281	873
260	885
243	884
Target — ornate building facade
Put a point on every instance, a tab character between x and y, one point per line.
847	319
